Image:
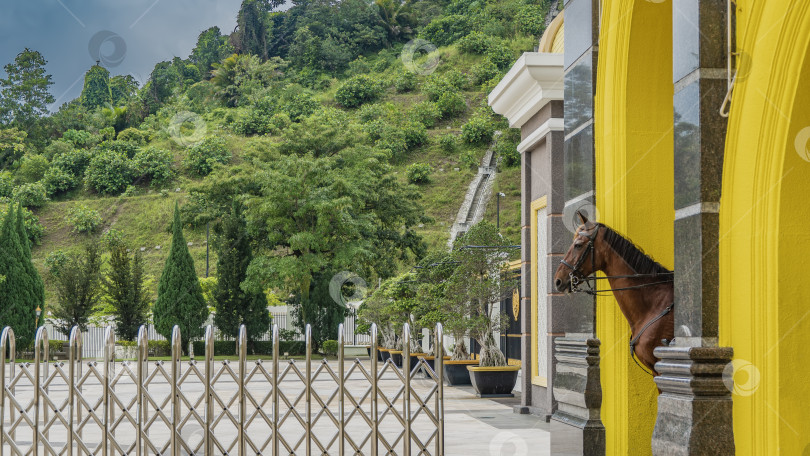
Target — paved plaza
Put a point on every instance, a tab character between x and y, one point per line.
473	426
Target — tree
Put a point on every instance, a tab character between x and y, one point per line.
211	48
480	281
432	274
24	94
236	306
316	216
396	16
36	283
250	36
162	82
123	88
124	289
21	291
96	91
319	309
77	280
12	146
180	300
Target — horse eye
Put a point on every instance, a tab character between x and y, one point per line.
578	245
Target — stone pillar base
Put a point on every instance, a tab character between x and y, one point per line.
576	428
694	407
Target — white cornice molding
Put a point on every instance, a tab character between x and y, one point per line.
553	124
532	82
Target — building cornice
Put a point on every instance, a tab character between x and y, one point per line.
533	81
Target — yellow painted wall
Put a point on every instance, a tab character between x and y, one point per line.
765	229
634	190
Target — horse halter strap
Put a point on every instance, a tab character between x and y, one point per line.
576	276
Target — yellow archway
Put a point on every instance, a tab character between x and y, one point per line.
764	235
634	190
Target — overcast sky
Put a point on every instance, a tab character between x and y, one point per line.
129	36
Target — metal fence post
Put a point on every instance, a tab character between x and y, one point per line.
74	351
276	424
242	399
406	400
78	388
439	364
41	340
208	447
143	356
7	342
342	392
109	358
308	388
177	353
375	422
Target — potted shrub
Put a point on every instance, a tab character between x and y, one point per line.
433	274
481	281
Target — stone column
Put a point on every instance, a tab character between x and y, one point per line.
694	408
576	427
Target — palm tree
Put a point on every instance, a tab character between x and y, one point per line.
396	16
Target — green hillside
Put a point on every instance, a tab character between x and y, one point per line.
312	89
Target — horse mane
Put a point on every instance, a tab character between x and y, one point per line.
633	255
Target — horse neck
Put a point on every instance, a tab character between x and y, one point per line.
633	303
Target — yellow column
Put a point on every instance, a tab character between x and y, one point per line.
634	190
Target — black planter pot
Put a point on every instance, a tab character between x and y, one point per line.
384	355
494	381
368	350
396	356
415	359
456	373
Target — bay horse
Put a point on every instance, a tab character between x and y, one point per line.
643	288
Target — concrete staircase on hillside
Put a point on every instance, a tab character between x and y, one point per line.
478	194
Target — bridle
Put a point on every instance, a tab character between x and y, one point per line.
577	278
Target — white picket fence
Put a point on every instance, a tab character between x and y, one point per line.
93	338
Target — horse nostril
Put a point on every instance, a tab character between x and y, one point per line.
557	283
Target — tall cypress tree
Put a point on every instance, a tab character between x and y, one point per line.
124	288
235	306
38	286
18	289
180	299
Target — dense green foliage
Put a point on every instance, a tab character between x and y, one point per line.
77	279
21	289
124	287
203	157
179	300
83	219
96	92
24	93
235	306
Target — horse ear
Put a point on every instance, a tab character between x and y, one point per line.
582	218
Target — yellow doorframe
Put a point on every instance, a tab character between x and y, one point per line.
536	206
764	248
634	190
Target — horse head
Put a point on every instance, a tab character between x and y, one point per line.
581	259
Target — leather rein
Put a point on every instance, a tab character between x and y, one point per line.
577	278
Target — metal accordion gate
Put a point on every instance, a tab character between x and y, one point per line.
218	407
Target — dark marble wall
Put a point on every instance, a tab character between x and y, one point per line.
695	408
700	78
